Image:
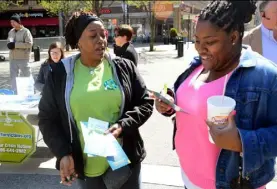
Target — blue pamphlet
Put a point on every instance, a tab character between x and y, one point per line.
105	145
94	137
120	159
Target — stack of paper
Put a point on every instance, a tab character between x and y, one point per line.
97	143
22	104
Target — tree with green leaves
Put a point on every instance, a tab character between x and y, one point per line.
148	7
67	7
4	5
95	6
64	7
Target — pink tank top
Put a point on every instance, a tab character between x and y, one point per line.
197	155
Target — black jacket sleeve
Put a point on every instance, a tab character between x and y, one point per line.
116	49
131	56
50	121
40	81
142	104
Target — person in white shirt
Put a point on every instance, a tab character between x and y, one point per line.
262	38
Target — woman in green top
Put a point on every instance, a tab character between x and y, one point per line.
93	84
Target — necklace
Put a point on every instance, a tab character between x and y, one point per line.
91	70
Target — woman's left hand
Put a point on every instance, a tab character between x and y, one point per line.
226	137
115	130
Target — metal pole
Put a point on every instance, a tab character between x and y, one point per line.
127	12
123	10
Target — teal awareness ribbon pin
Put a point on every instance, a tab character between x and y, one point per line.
110	85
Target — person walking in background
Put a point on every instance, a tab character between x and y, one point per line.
93	84
20	43
123	46
55	54
261	39
244	147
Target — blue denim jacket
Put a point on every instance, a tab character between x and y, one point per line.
254	87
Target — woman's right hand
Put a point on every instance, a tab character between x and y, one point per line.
163	107
67	170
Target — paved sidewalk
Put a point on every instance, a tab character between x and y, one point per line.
160	169
160	49
151	174
145	57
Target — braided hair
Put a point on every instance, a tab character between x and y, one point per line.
229	15
72	34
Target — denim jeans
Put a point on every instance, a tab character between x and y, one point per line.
134	181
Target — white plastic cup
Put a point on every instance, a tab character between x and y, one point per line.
218	110
11	39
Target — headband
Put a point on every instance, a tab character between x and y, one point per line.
82	22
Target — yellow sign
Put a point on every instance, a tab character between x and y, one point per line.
17	138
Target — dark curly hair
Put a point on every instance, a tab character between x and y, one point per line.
229	15
70	31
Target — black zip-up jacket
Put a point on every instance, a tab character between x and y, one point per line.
127	51
42	75
55	124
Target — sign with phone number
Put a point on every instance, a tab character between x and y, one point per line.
17	138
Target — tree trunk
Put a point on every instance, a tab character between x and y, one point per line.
152	27
152	41
96	7
66	18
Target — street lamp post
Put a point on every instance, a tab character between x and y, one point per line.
127	12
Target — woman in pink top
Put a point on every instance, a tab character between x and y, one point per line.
244	149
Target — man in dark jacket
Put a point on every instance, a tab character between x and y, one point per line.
123	46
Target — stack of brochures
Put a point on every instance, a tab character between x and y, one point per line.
97	143
17	102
